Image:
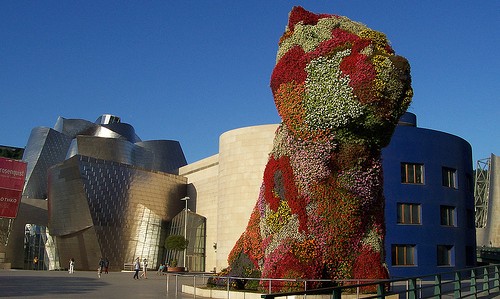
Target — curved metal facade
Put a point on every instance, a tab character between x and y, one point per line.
100	208
110	194
441	235
168	155
45	148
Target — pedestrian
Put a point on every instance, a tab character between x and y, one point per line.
106	265
35	263
144	268
160	269
137	268
71	265
100	268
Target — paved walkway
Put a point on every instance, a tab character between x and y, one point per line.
85	284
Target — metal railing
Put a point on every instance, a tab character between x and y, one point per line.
467	283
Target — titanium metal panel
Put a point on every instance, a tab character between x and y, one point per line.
74	127
123	129
45	148
109	194
168	155
111	149
124	209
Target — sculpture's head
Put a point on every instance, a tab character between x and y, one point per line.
339	79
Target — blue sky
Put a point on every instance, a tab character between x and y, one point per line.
192	70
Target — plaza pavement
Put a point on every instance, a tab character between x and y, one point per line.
86	284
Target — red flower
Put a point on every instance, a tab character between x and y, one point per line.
291	67
368	265
279	184
340	40
362	74
299	14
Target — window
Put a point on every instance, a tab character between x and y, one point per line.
412	173
408	213
450	177
447	216
403	255
444	255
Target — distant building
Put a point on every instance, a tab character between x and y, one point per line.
487	197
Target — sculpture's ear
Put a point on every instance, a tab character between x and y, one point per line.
299	14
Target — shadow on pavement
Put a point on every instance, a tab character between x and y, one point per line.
17	286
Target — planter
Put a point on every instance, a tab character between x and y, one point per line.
176	269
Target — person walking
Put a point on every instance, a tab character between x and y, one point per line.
101	266
144	268
71	265
137	268
106	265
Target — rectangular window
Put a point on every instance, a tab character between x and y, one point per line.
403	255
444	255
447	215
412	173
408	213
449	177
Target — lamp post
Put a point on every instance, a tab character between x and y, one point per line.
185	226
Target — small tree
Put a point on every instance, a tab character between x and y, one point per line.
176	243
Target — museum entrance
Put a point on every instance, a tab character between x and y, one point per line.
39	249
196	235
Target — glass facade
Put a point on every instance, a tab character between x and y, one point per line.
196	235
39	249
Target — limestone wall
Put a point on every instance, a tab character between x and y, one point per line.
224	188
243	155
202	189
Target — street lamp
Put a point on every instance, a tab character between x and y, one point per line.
185	226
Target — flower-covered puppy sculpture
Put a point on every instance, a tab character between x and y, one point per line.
340	90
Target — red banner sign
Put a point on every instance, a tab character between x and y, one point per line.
12	175
9	202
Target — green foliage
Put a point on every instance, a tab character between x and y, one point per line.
176	242
11	153
173	263
244	267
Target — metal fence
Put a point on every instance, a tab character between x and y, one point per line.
478	282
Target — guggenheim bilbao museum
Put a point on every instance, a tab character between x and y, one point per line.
95	189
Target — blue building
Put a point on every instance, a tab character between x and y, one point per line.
428	186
